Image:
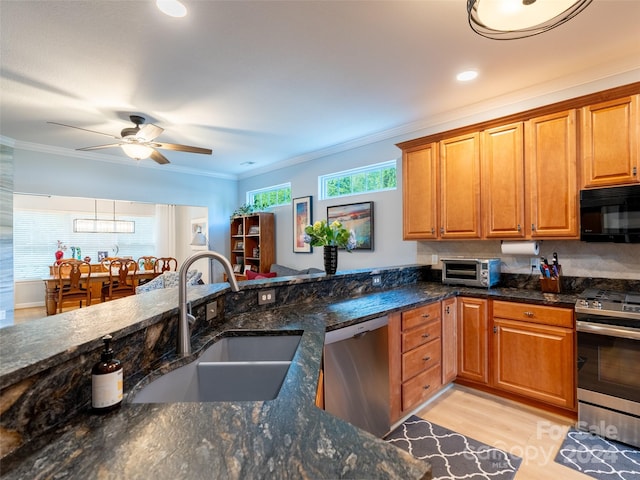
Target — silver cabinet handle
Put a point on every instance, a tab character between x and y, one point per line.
426	359
427	387
425	315
529	314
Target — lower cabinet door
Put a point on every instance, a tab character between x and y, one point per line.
421	387
536	361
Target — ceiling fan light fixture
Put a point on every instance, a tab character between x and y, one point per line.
173	8
136	150
513	19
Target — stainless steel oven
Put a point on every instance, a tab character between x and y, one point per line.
608	326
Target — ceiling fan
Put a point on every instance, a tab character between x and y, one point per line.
138	142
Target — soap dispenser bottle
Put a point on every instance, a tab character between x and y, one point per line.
106	380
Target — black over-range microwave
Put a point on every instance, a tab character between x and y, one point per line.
610	214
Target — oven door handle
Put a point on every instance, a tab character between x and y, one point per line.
609	330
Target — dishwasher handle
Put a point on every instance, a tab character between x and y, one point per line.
355	331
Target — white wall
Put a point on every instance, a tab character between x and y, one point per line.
389	249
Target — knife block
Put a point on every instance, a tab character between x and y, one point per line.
551	284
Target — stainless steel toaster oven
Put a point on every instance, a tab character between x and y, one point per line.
474	272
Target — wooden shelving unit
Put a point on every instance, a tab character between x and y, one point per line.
253	242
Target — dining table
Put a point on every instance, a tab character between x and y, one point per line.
96	280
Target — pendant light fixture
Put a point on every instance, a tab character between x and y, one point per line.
93	225
513	19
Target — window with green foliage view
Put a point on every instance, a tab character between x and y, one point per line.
372	178
270	197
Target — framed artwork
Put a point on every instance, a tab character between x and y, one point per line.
357	217
301	218
254	230
199	232
102	255
237	268
239	245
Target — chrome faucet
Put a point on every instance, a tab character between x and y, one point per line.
184	331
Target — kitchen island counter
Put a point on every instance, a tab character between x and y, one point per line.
288	437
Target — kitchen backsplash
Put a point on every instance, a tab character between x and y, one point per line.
578	259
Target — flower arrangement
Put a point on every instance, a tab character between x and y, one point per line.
321	234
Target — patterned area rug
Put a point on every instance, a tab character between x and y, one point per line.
598	457
452	455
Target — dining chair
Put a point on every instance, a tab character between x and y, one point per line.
163	264
122	279
73	283
146	263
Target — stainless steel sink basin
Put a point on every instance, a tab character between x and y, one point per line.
235	368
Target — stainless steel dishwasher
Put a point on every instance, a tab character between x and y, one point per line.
356	375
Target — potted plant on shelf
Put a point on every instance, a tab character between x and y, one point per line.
331	237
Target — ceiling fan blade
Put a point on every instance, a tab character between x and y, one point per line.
98	147
149	131
183	148
159	158
85	129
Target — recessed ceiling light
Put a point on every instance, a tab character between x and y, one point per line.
467	75
173	8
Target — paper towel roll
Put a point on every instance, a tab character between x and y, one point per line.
521	248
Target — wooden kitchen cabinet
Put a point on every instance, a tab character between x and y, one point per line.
460	187
473	362
611	143
449	341
503	194
533	352
420	192
551	180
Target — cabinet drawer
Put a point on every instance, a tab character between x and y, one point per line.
421	387
415	317
422	334
419	359
561	317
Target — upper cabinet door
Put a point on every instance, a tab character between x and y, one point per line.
503	181
420	192
460	183
551	181
610	132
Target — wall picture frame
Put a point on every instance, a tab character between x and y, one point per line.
199	234
302	216
357	217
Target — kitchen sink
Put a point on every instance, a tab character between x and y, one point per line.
235	368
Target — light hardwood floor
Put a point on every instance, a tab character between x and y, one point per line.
530	433
25	314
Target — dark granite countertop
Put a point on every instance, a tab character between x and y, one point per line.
284	438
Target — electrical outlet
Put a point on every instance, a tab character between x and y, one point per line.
266	296
535	264
212	310
376	280
434	259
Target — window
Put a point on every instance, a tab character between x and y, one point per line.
270	196
36	233
372	178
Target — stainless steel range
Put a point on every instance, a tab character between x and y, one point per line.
608	325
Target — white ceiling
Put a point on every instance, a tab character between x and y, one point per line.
275	82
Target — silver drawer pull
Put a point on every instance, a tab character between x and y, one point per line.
529	314
425	335
426	359
425	315
427	387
